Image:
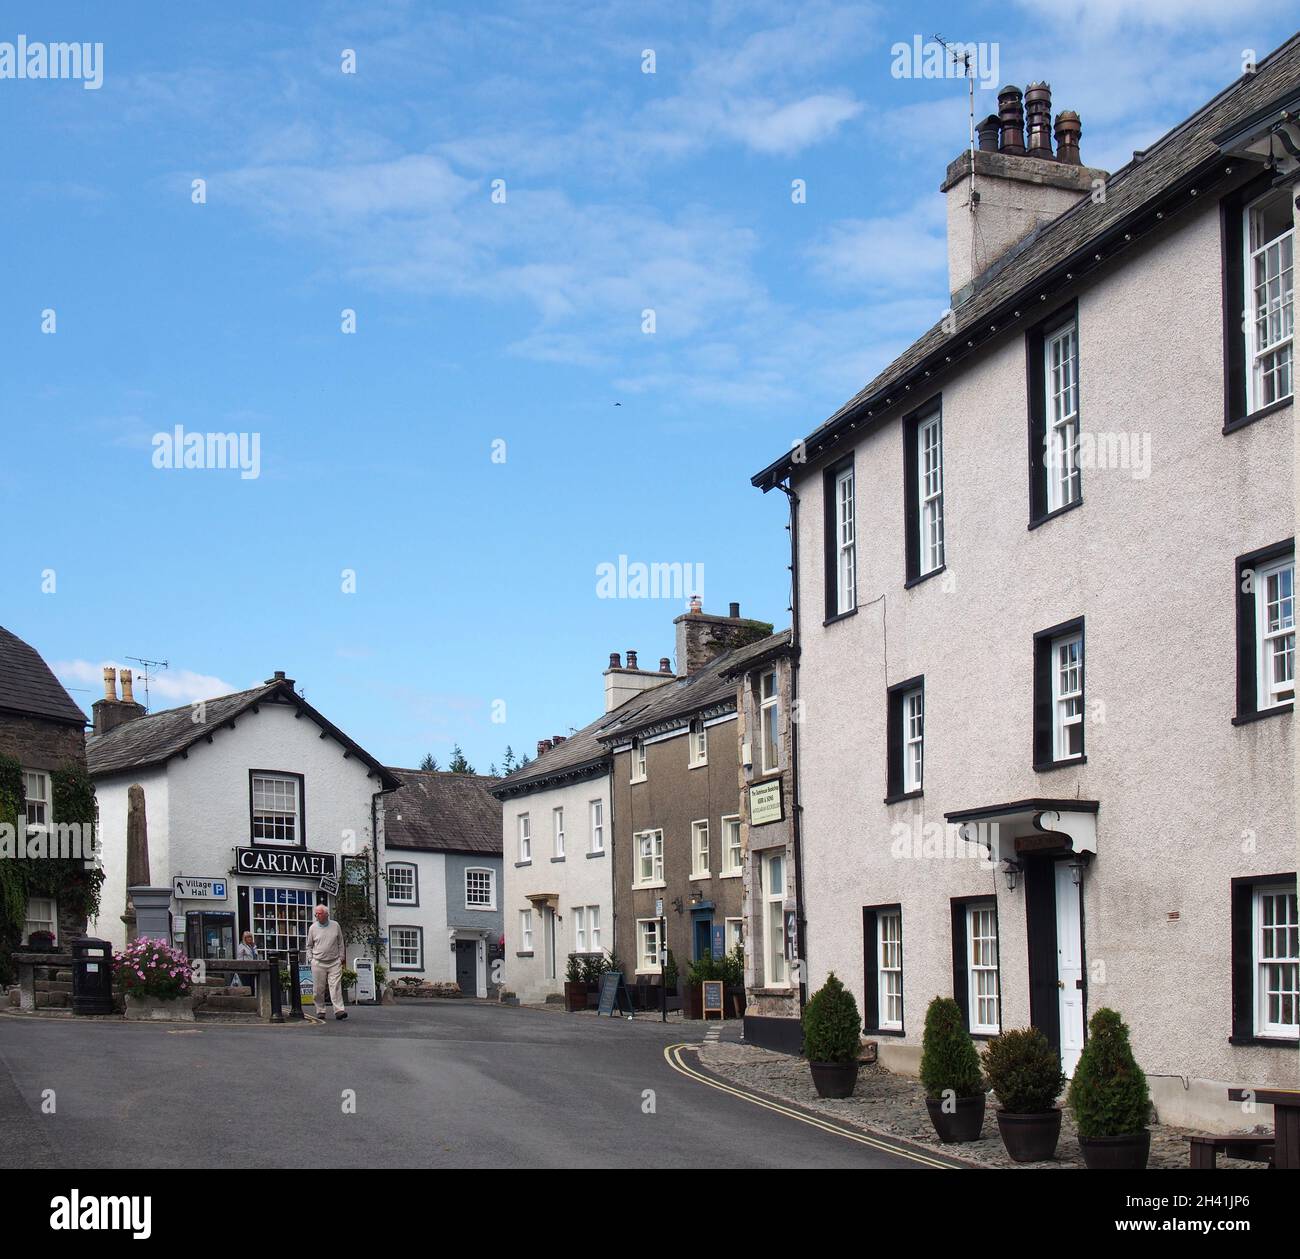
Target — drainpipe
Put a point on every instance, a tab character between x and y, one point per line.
796	815
374	843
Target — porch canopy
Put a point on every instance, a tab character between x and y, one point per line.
1008	831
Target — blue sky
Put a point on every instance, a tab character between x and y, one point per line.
477	319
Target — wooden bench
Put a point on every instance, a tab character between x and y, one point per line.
1205	1151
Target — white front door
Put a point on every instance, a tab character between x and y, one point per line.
1069	966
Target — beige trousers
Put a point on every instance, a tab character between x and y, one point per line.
328	976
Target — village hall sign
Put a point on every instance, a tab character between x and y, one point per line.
291	864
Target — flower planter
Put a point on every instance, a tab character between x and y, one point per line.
963	1123
1128	1153
575	996
1030	1138
834	1079
178	1009
693	1002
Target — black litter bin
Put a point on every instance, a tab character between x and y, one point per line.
92	976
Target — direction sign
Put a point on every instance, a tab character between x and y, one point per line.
191	888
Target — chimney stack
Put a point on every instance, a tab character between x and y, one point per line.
557	739
623	683
702	637
110	712
543	746
1004	191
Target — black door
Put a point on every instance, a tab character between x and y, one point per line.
466	967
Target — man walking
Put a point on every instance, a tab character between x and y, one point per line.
325	953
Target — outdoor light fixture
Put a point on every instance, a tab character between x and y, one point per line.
1011	872
1078	866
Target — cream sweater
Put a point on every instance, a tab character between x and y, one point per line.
324	944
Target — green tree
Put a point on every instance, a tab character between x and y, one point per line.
458	763
429	762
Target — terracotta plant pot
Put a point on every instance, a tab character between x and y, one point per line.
963	1123
1128	1153
1030	1138
834	1079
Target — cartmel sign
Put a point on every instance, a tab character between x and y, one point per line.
290	864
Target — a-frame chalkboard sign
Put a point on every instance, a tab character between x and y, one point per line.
613	994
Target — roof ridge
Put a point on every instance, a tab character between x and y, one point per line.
180	708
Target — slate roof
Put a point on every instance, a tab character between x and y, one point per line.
156	738
578	755
438	811
1066	246
711	687
28	687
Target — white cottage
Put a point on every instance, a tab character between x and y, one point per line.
258	807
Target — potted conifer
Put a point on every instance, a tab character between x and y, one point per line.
1024	1072
950	1072
832	1031
1109	1098
575	984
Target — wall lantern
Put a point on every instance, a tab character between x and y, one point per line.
1011	872
1078	866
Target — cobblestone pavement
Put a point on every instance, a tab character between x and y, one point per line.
894	1105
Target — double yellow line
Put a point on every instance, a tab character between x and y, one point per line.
673	1054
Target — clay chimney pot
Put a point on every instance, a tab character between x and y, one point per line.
110	683
127	696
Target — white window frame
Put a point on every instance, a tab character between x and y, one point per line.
396	948
47	921
269	817
557	830
731	827
889	969
596	815
414	898
776	968
734	929
593	928
656	854
525	930
1270	308
1067	698
38	792
697	742
648	946
982	979
913	734
280	919
491	904
1275	950
1061	402
769	718
525	838
1275	642
700	849
638	761
846	597
579	928
929	492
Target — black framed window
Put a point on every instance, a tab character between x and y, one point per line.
1258	241
905	732
976	974
1266	632
1052	387
840	539
923	490
1265	960
1059	696
882	968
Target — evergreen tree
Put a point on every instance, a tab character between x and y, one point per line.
429	762
458	763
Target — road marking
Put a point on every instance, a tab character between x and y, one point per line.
673	1054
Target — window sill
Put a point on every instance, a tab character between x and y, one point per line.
1243	421
905	795
839	616
699	765
404	904
883	1031
1244	719
648	887
983	1035
1036	521
632	782
1046	767
590	855
698	878
555	859
917	580
1265	1042
731	874
519	865
480	909
525	953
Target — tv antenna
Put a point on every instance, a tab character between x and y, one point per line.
962	57
145	666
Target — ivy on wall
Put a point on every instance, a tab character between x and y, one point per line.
76	889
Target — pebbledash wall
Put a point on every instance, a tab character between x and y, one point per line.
198	812
1188	800
549	889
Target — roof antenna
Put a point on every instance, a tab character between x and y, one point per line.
962	56
145	666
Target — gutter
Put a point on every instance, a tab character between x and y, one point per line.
796	813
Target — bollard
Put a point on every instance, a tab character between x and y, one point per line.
277	996
295	988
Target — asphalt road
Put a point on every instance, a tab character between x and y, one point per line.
450	1084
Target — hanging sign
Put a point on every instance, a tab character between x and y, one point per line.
294	863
